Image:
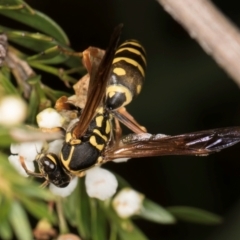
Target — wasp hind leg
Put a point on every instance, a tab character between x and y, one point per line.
128	120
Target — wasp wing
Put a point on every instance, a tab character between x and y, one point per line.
196	143
99	83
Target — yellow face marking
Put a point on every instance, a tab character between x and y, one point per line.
51	158
99	121
93	141
135	44
112	89
130	61
119	71
100	135
139	87
107	130
133	51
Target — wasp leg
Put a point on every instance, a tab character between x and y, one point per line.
30	173
118	131
128	120
90	55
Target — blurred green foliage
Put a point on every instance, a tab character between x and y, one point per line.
22	200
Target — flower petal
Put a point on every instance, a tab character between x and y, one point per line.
127	202
13	110
66	191
100	183
14	160
49	118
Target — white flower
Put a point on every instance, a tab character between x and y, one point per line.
28	151
55	146
66	191
119	160
15	161
13	110
100	183
49	118
127	202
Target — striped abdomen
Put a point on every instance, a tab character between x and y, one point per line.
128	72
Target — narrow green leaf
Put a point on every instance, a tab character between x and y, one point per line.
7	85
55	71
6	140
38	209
125	227
195	215
5	206
122	183
39	21
20	222
34	41
69	208
54	94
5	230
94	228
101	223
154	212
83	211
50	56
33	107
11	4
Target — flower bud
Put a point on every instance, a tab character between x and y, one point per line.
100	183
127	202
49	118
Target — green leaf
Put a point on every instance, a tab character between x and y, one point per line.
6	140
124	227
50	56
154	212
39	21
33	106
195	215
5	230
55	71
34	41
38	209
5	206
19	222
101	223
122	183
11	4
6	84
98	220
83	211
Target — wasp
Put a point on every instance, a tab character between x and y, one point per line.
115	78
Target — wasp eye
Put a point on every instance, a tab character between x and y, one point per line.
48	165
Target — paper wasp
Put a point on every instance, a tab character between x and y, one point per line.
115	78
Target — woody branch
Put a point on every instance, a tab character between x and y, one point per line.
217	35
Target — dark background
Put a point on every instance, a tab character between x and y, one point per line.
184	91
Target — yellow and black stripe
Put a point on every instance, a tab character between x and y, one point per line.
128	73
78	155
